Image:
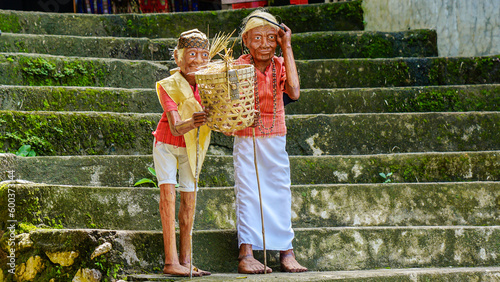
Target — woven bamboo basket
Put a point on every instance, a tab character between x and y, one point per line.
231	101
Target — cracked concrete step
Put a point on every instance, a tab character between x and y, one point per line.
482	97
489	274
319	249
124	171
49	70
328	205
327	45
92	133
307	18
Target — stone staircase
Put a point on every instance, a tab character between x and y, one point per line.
79	89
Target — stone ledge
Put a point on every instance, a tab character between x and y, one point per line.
124	171
341	16
453	98
379	275
329	205
456	98
327	45
93	133
319	249
48	70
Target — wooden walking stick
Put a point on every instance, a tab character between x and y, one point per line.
260	200
196	176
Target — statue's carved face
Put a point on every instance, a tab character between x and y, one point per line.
262	42
192	60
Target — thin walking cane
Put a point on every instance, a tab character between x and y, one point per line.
260	199
196	176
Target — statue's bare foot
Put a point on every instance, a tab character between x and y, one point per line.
179	270
202	272
289	264
249	265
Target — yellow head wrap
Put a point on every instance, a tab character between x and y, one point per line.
255	19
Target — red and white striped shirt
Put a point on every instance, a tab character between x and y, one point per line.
266	100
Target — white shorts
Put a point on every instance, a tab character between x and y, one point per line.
166	158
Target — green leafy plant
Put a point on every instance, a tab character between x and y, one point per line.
386	176
25	151
147	180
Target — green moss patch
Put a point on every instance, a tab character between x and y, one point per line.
34	98
398	72
43	70
402	99
9	22
51	133
330	45
97	47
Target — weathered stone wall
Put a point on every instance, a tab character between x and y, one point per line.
464	27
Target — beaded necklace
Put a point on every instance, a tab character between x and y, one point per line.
262	128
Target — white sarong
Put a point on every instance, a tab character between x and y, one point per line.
274	176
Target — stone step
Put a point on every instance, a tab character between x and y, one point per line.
388	275
49	70
74	99
483	97
306	18
348	73
319	249
106	133
124	171
327	205
327	45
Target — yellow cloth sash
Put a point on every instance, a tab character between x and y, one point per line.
180	91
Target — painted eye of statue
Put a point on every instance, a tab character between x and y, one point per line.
205	55
257	37
272	37
192	54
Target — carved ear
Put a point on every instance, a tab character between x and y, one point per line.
176	57
244	37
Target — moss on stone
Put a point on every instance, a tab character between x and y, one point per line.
327	45
330	45
9	22
43	70
400	99
476	70
117	171
451	100
97	47
397	72
342	16
77	134
51	133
